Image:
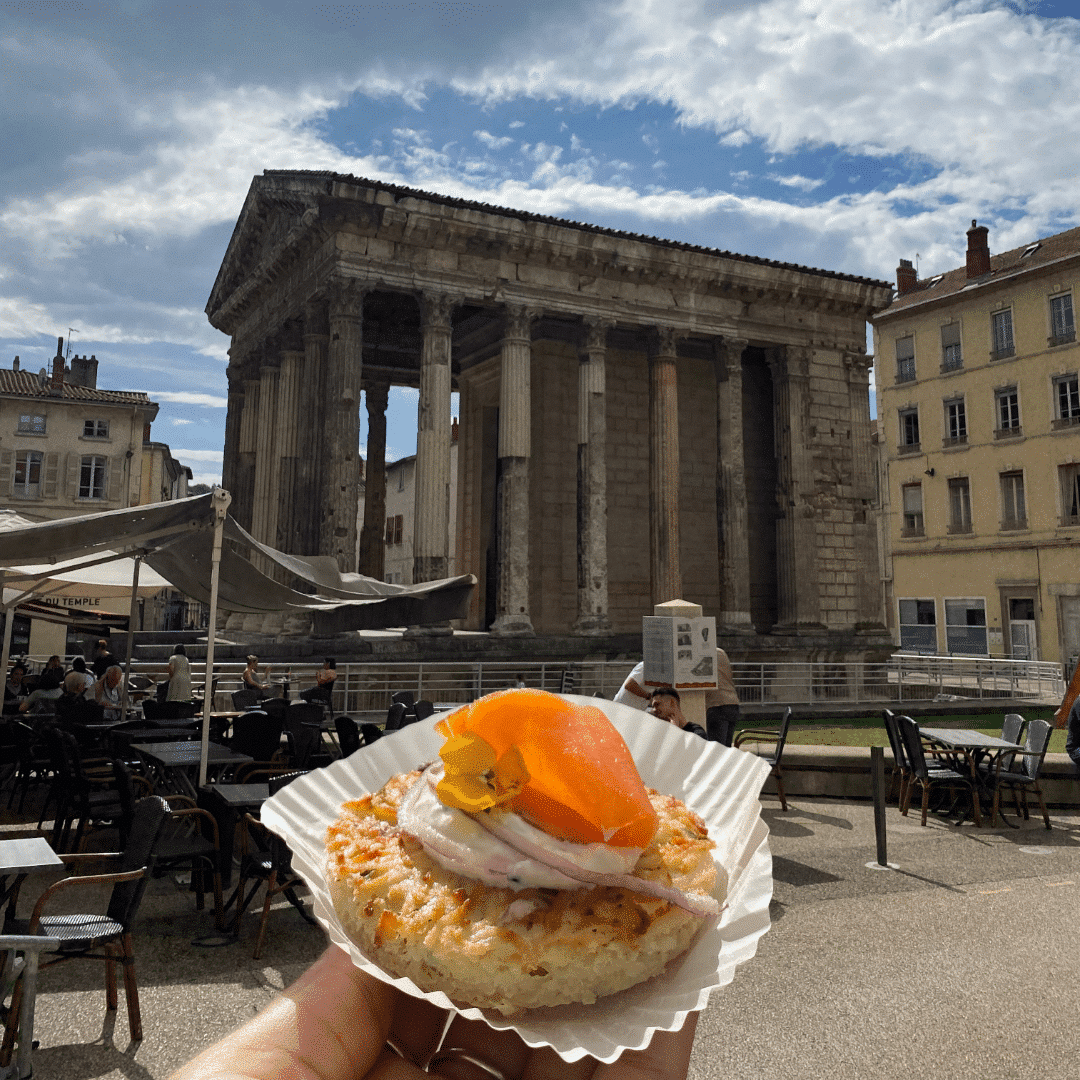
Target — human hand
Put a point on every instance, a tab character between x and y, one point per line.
334	1021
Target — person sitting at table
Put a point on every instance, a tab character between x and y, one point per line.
109	694
1072	735
13	688
78	667
50	685
72	707
324	682
666	704
253	682
179	676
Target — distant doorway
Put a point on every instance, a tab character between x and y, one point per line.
1023	642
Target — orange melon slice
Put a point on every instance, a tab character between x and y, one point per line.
583	784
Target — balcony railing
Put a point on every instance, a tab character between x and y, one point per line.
1063	423
1061	339
1009	432
905	371
1002	354
952	441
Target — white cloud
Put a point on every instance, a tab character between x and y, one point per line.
803	183
736	138
184	397
179	420
199	455
493	142
516	124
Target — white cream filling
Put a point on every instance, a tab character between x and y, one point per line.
494	862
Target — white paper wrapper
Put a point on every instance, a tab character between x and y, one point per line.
721	784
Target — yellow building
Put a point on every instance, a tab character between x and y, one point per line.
979	410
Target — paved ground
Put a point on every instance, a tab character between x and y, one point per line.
960	963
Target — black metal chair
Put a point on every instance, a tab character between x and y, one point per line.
371	732
945	771
33	764
777	738
82	793
257	734
397	716
265	859
303	730
901	769
93	936
182	844
246	698
348	733
1023	774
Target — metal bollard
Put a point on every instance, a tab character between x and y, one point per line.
877	780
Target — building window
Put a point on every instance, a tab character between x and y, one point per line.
951	357
913	512
909	431
1007	407
918	626
965	627
31	424
394	528
1001	335
959	505
1066	401
1062	326
27	474
95	429
955	422
92	477
905	359
1069	476
1013	505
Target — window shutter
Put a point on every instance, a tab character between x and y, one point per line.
7	470
114	474
74	463
51	476
950	334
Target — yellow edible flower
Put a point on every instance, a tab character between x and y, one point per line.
474	779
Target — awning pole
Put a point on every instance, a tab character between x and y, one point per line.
220	501
132	611
9	622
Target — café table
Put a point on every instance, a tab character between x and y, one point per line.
228	803
19	857
981	748
172	763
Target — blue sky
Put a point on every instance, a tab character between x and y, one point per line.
838	134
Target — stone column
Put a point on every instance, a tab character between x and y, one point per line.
243	497
515	448
796	542
308	485
341	427
431	517
592	576
373	533
290	423
869	614
264	507
664	468
231	458
732	522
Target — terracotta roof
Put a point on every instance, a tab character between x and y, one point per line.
25	384
1008	264
489	208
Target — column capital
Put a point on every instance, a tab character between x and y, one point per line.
377	393
316	319
663	342
519	320
436	310
595	336
727	355
858	364
346	297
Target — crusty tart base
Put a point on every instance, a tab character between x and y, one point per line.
502	949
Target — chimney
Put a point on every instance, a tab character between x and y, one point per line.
15	366
978	251
907	277
454	430
83	372
57	382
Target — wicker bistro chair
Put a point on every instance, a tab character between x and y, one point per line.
265	859
946	770
303	731
349	738
901	769
1023	774
98	937
183	844
778	739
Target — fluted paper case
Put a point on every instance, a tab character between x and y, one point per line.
719	783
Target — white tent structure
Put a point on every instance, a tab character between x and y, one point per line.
193	545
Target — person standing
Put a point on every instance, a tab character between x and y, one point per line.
103	659
722	704
179	676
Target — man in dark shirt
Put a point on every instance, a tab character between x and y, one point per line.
103	659
1072	736
665	704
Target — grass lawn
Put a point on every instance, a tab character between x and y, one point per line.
869	731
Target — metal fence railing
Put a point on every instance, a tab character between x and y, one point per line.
366	687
